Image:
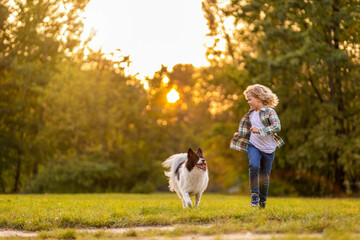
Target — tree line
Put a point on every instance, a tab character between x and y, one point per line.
71	122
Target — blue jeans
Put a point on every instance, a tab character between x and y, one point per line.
259	171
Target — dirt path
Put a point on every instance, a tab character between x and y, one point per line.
12	233
233	236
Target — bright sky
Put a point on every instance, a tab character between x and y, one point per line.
152	32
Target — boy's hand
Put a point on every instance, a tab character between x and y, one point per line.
254	130
236	134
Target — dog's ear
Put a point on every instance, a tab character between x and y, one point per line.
192	158
190	152
200	153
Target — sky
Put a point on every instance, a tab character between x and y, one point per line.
152	32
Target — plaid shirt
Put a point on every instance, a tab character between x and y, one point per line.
271	121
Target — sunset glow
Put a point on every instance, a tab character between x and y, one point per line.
151	32
173	96
165	81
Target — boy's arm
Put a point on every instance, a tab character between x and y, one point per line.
274	126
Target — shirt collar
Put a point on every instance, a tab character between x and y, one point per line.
263	108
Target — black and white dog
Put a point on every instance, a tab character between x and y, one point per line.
188	175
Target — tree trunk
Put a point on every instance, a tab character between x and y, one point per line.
355	185
2	185
339	181
336	97
17	176
35	169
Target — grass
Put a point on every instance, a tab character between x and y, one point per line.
59	214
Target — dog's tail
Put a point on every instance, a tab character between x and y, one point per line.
172	163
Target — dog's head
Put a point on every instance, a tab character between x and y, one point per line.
195	160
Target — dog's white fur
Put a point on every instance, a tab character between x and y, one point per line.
189	183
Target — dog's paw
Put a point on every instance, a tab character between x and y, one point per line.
189	204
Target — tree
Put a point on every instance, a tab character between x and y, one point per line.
34	37
99	136
308	53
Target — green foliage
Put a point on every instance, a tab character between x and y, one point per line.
76	123
73	176
228	169
31	45
101	114
306	52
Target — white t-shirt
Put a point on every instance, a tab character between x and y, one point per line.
265	144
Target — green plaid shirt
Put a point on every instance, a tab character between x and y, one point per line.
272	125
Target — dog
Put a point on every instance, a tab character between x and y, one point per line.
188	175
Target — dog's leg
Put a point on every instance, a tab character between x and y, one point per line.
184	203
187	199
197	199
182	198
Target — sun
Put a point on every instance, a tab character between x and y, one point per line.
173	96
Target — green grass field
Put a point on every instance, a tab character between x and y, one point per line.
224	213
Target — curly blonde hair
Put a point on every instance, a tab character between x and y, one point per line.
264	93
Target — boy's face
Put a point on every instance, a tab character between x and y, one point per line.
255	103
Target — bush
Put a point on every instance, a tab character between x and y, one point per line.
87	176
